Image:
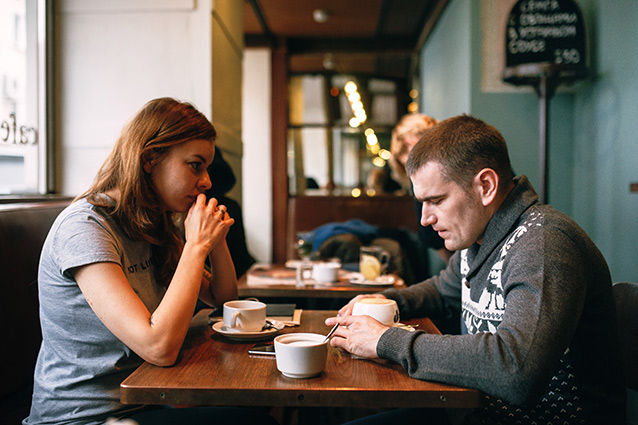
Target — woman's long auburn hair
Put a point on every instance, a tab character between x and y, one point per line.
159	125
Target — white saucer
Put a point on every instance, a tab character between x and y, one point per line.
220	328
385	280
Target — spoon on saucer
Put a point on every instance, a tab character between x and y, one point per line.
271	324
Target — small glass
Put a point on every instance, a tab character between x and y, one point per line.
304	250
304	245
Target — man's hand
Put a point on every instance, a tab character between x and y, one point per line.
346	310
358	335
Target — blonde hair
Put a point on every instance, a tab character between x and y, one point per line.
410	125
159	125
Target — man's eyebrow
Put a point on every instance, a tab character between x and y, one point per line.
430	198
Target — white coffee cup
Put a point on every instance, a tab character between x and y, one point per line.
325	272
384	310
301	355
244	315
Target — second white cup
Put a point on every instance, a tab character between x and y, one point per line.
384	310
244	315
325	272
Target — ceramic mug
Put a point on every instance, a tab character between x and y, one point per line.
244	315
384	310
301	355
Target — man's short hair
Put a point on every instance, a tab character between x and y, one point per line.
463	146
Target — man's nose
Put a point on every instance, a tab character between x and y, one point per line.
427	218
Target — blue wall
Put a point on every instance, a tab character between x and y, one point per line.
593	151
445	65
606	136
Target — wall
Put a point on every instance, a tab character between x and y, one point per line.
226	80
257	184
445	64
112	57
605	127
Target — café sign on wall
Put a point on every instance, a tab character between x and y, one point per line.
545	32
544	47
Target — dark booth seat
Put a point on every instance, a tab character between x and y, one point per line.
23	228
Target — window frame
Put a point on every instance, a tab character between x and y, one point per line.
42	38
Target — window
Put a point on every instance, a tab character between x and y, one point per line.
23	100
337	139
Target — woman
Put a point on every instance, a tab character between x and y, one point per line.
405	134
123	267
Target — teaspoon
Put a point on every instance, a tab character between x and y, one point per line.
334	328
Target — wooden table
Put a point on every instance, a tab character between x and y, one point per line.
213	370
342	289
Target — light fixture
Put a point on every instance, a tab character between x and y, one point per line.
372	139
377	161
320	16
385	154
354	98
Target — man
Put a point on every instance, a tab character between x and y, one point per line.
533	291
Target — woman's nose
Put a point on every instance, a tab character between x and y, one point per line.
204	183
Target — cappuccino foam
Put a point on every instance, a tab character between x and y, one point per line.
378	301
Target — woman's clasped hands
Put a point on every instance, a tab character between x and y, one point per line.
207	223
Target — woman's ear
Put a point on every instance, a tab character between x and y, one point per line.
486	182
147	163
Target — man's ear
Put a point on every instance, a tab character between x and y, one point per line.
486	182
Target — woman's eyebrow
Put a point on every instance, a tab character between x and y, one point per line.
202	158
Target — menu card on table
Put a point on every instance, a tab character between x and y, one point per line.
265	274
286	313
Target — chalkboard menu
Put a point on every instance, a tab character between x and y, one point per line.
545	32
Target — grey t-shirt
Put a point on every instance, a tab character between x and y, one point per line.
81	363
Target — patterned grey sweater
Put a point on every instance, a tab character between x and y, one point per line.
536	300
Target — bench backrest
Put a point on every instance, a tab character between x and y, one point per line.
23	229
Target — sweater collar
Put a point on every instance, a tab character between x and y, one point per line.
520	198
